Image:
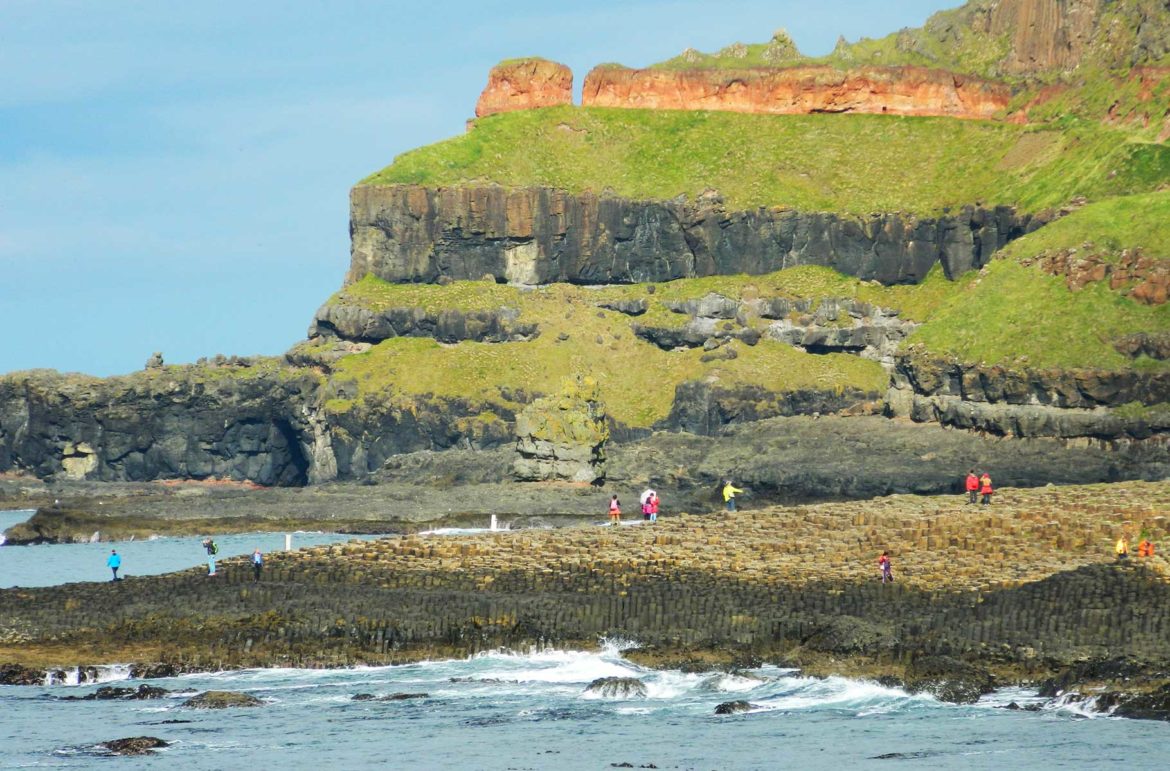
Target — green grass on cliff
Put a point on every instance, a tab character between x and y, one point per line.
843	163
1018	315
637	378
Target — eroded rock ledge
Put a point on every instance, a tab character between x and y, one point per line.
409	233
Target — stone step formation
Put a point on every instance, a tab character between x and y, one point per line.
1024	587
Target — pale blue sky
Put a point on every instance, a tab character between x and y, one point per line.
174	175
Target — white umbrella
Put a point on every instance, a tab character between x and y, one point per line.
646	495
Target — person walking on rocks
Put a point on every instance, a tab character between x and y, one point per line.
257	563
113	563
985	488
972	487
884	566
212	550
615	510
729	491
1122	548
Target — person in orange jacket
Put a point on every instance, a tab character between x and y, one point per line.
1145	547
985	488
972	486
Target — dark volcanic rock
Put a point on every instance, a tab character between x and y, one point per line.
850	635
358	324
15	674
733	707
707	408
618	687
948	679
1154	705
111	692
135	745
222	700
390	697
409	233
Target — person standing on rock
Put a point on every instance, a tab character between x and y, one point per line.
615	510
985	488
654	507
257	563
1122	548
113	563
972	487
729	491
212	550
885	568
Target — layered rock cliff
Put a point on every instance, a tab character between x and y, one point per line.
799	90
541	235
525	84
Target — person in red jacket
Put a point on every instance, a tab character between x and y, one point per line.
972	487
654	507
985	488
884	566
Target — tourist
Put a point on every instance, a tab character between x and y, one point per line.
113	563
212	550
1122	548
729	491
646	510
615	510
654	507
647	495
257	563
985	488
972	487
884	566
1145	546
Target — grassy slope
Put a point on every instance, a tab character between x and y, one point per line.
1016	314
843	163
636	378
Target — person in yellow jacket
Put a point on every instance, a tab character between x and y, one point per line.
1122	548
729	491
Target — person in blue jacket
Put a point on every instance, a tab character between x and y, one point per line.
113	563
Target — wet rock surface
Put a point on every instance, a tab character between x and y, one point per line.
134	745
948	679
733	707
617	688
222	700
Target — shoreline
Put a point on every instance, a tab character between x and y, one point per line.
1024	591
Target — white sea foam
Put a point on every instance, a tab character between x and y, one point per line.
104	673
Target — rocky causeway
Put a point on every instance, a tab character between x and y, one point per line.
1024	590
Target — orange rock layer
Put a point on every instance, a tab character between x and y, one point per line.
800	90
525	84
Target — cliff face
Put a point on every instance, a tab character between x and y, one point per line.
799	90
524	85
541	235
1045	34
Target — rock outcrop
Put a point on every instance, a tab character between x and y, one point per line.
1063	404
525	84
358	324
409	233
134	745
914	91
563	437
240	423
617	688
222	700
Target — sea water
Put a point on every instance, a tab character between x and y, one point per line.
54	564
531	710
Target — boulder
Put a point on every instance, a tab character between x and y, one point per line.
617	687
734	707
134	745
563	437
222	700
16	674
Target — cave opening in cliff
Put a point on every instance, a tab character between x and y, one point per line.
294	472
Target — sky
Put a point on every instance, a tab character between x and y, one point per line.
174	175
